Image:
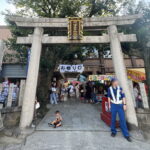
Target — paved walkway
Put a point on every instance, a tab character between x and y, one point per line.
77	116
82	130
80	140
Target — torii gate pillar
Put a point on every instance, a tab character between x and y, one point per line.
121	74
2	45
32	76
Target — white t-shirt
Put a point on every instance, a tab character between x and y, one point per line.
5	84
53	89
15	92
71	88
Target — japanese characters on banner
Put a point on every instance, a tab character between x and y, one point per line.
136	76
101	77
71	68
75	28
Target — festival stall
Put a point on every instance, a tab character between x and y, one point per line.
101	78
138	76
102	82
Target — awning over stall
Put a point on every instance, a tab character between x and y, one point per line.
136	75
101	77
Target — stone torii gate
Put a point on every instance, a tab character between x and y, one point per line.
38	38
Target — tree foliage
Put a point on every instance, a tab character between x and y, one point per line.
140	28
67	8
52	55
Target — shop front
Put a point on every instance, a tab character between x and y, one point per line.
138	87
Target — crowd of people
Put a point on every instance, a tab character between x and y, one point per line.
86	92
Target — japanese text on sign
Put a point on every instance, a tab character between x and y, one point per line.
71	68
75	28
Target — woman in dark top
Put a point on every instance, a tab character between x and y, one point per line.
81	90
88	92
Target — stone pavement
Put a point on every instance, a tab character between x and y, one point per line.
82	130
76	140
77	116
80	140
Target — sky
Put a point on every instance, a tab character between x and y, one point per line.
4	5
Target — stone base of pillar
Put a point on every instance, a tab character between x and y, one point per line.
143	116
132	127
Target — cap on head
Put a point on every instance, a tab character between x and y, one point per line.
114	79
57	112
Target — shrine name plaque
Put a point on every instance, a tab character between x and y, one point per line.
75	28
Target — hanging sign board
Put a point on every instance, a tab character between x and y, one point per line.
101	77
136	75
71	68
75	28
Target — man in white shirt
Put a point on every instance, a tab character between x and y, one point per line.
53	96
71	90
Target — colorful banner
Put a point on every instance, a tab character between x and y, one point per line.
101	77
71	68
136	75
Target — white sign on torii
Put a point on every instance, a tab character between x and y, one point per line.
71	68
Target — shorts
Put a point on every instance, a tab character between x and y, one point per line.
56	123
